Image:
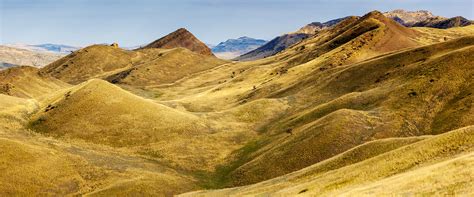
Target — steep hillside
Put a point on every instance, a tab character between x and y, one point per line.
273	46
157	66
374	98
26	82
440	164
444	23
181	38
366	107
376	28
10	56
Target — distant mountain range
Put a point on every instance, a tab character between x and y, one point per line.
235	47
54	48
423	18
11	56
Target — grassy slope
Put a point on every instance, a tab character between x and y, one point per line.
25	82
377	112
89	62
440	164
33	164
225	125
138	68
158	66
375	98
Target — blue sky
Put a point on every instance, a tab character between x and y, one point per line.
136	22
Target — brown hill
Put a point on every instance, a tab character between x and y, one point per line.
352	40
145	66
158	67
181	38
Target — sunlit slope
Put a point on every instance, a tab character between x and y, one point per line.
428	97
90	62
367	99
32	164
413	92
433	35
25	82
158	66
386	88
440	164
102	113
142	67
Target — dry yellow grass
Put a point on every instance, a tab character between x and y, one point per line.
436	165
348	110
25	82
138	68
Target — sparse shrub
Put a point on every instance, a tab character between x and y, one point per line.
303	191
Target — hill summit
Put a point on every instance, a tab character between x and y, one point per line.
181	38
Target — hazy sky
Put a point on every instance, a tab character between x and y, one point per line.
136	22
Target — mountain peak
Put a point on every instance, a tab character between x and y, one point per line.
374	13
408	18
181	38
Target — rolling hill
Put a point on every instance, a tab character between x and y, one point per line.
140	67
365	107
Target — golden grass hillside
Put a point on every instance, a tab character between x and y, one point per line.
90	62
367	107
99	112
142	67
398	94
437	165
31	163
26	82
158	66
317	118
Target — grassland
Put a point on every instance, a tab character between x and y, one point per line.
367	107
